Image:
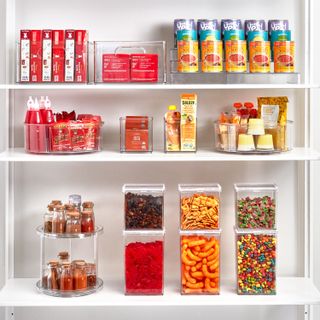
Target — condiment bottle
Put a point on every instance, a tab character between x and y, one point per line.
80	276
48	217
91	275
42	108
48	114
59	220
87	218
63	257
30	104
37	136
53	275
66	277
73	224
75	199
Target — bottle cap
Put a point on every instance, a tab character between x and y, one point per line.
47	103
172	107
249	105
237	105
36	104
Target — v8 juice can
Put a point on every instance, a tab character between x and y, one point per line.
257	36
230	24
254	25
187	29
284	56
188	56
259	56
208	30
236	56
211	56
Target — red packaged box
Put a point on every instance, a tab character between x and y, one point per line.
115	67
60	137
25	36
58	55
144	67
81	57
36	56
69	56
137	133
47	55
77	136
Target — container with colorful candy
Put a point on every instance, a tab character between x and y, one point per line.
256	261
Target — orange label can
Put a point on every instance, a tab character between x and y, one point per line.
284	56
236	56
259	56
188	56
211	56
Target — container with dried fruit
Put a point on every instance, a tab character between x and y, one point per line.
199	206
255	205
200	262
143	206
144	252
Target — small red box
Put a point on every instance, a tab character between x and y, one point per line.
144	67
69	56
137	133
81	68
116	68
36	56
47	55
58	55
25	36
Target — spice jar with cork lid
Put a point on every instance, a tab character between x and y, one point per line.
52	275
66	278
48	216
73	223
59	219
80	276
91	275
63	257
87	219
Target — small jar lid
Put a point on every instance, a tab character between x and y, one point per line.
53	263
56	202
59	207
50	207
63	254
69	206
87	212
88	204
66	264
80	263
73	214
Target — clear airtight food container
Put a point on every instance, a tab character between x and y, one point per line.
144	258
255	205
199	206
200	262
256	261
143	206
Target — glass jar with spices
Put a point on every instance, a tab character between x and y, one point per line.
56	202
88	206
80	276
91	275
52	275
48	216
63	257
87	221
59	219
66	278
73	224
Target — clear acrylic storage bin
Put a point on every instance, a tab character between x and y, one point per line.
199	206
63	138
136	134
256	261
143	206
200	262
69	264
128	61
255	205
143	263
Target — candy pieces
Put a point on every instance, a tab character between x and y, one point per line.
144	267
199	212
258	212
200	263
256	256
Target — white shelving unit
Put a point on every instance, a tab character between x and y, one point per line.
28	181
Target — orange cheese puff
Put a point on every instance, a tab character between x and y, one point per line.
209	245
197	274
187	290
198	285
192	256
213	284
206	254
204	261
214	266
198	265
197	248
209	274
184	247
188	268
193	269
189	278
196	243
186	261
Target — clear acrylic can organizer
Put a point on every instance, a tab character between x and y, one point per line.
200	262
63	138
69	264
129	61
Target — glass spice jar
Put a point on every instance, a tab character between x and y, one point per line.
59	219
56	203
53	275
66	277
88	206
91	275
63	257
87	221
73	223
80	276
48	216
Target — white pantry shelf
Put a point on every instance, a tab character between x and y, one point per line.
207	155
22	292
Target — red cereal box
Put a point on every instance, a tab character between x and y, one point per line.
36	56
81	56
25	55
47	55
69	56
115	67
58	55
144	67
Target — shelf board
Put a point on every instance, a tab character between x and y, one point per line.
207	155
291	291
159	86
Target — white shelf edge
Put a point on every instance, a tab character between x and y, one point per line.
207	155
20	292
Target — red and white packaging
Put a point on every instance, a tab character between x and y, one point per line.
144	67
47	55
25	36
115	67
58	55
36	56
81	56
69	57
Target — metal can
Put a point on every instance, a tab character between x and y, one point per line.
259	56
257	36
188	56
236	56
254	25
208	29
188	25
284	56
234	35
279	35
211	56
274	25
230	24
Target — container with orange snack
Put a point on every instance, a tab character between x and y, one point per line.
199	206
200	262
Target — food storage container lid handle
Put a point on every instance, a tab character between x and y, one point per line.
129	47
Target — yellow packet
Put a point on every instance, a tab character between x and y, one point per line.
273	110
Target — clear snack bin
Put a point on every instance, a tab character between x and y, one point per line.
275	140
128	61
63	138
143	206
255	205
200	262
136	134
256	261
199	206
69	263
144	259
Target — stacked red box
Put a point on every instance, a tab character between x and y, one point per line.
81	56
36	56
47	55
58	56
25	36
69	56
